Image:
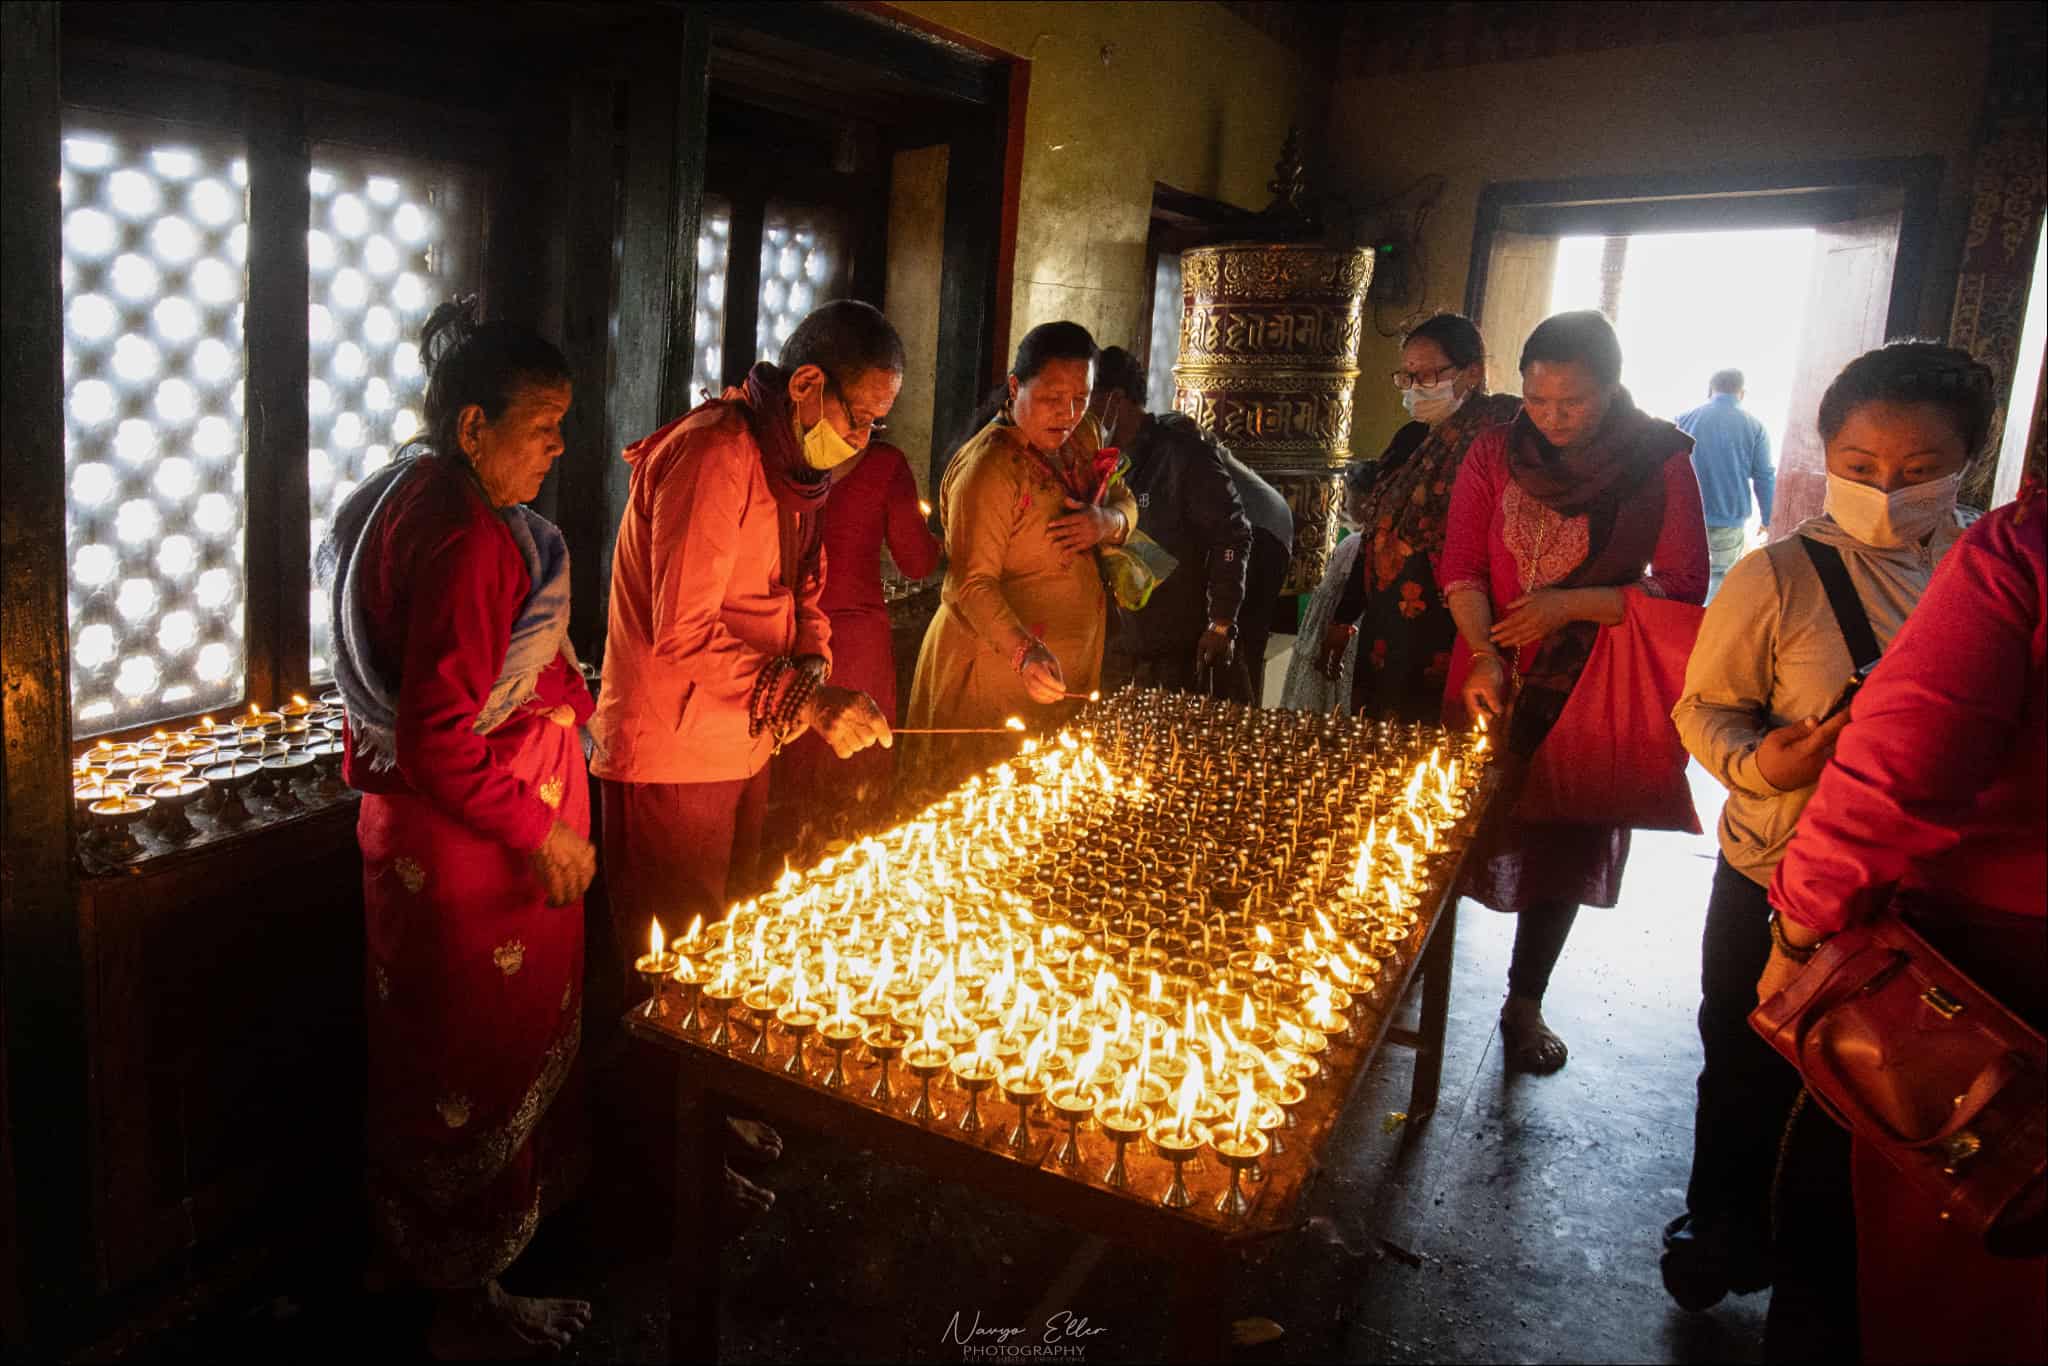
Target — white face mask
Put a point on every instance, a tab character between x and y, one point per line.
1904	516
1432	403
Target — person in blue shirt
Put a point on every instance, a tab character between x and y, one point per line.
1731	454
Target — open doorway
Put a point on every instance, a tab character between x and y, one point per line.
1742	295
1785	275
846	156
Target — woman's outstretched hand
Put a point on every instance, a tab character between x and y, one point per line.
1042	677
1486	687
564	864
848	720
1336	641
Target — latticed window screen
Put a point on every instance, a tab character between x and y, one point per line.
714	253
388	241
155	241
1166	317
800	256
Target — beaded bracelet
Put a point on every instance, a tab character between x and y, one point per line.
794	700
791	709
758	711
1797	953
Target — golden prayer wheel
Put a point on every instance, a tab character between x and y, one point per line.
1268	358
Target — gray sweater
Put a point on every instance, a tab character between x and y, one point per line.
1770	654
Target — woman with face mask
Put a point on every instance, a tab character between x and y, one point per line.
1390	631
1773	657
718	650
1555	520
1025	503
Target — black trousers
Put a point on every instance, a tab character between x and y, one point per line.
1746	1089
1744	1155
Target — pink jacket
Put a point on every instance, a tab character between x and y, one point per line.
1941	780
698	607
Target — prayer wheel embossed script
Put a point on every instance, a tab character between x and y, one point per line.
1268	360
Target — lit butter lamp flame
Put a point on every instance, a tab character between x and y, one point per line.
654	966
1179	1138
1240	1150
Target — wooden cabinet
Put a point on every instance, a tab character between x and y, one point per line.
225	1037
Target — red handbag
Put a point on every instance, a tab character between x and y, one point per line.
1614	757
1912	1056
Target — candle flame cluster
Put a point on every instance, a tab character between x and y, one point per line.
1161	917
117	781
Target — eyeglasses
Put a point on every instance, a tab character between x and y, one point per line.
1404	379
854	426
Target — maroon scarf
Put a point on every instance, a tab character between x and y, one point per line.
799	490
1615	482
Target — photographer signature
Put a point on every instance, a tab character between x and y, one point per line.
1060	1327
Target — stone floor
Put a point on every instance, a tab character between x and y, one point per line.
1519	1224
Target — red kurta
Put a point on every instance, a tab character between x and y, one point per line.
1504	543
875	502
472	998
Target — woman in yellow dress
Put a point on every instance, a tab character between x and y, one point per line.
1025	503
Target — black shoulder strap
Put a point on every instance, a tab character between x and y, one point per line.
1849	613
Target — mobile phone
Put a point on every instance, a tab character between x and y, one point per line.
1849	691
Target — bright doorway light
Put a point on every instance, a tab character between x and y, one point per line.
1696	302
2026	380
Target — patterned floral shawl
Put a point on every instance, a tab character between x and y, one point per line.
1408	506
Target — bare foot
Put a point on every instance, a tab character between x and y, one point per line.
493	1325
753	1140
1530	1045
743	1198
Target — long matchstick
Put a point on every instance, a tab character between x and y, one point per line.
952	730
1011	726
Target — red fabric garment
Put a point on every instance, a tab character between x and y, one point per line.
442	583
1506	544
1627	764
474	1013
698	607
677	850
1929	1293
1940	783
874	502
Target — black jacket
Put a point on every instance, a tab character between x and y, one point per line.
1188	503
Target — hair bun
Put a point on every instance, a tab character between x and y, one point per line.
450	325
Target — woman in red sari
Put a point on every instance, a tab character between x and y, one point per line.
1553	515
450	605
874	499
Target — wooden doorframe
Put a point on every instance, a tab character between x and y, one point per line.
44	973
1795	194
984	168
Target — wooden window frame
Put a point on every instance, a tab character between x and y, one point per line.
280	123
